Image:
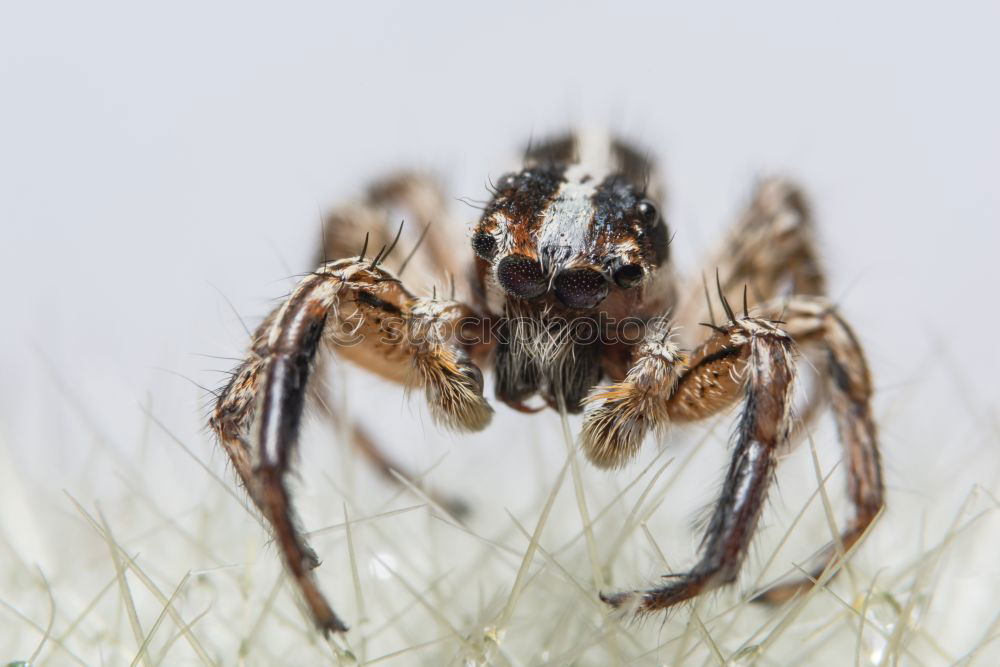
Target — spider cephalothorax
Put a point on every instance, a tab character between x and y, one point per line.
572	236
570	233
574	301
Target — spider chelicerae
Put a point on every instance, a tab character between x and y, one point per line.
574	306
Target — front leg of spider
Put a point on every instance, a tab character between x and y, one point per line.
366	315
619	416
754	356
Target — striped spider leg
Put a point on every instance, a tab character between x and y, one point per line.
752	358
366	314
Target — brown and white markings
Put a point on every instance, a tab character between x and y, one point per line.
574	307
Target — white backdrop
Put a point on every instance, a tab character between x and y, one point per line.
151	157
158	160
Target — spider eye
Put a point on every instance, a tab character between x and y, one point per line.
506	182
629	275
522	277
581	288
647	211
484	244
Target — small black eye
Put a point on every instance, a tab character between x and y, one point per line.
647	211
484	244
506	182
629	275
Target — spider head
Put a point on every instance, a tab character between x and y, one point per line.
559	235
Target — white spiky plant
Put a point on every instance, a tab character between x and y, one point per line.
163	564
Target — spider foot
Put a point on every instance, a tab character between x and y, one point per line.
621	599
682	587
324	618
331	623
781	593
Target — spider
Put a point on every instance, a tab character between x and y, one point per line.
572	241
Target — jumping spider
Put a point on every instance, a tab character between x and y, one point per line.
576	236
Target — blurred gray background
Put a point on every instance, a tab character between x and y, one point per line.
160	162
157	161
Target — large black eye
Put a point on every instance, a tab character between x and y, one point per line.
647	211
581	288
522	277
484	244
629	275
